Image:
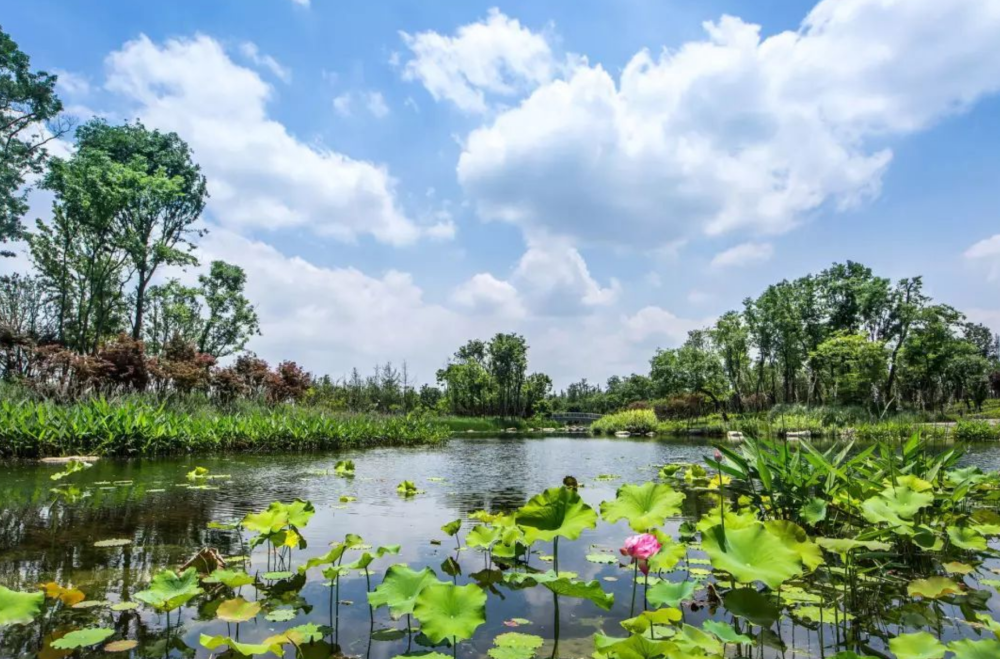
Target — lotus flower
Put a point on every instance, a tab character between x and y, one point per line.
640	548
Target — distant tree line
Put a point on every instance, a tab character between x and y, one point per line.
843	336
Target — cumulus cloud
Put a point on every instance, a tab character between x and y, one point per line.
260	175
987	252
496	57
744	254
250	51
555	280
659	323
484	293
731	132
372	102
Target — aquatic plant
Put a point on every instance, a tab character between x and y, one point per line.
18	608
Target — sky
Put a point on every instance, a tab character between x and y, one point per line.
601	177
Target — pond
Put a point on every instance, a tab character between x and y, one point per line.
46	537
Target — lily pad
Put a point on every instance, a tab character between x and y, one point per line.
556	512
752	554
933	588
280	615
169	590
400	588
237	610
919	645
670	593
229	578
645	506
114	542
17	608
83	638
602	559
450	612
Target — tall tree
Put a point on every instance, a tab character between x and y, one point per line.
161	195
29	109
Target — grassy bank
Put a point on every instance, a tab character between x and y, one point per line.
820	422
138	427
458	424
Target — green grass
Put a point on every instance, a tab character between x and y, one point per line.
136	426
457	424
636	422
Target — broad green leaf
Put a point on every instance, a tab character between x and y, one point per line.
795	538
725	632
814	511
752	554
966	538
451	528
17	608
969	649
229	578
514	645
272	645
450	612
670	593
83	638
169	590
844	546
400	588
344	468
482	536
752	606
645	506
919	645
635	646
646	620
693	641
556	512
281	615
237	610
602	559
933	588
565	584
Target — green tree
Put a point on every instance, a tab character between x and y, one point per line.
160	195
508	362
731	335
850	369
29	109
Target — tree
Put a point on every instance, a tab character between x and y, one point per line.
850	369
175	312
508	362
232	320
732	337
160	195
28	111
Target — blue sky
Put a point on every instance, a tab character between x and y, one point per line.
397	177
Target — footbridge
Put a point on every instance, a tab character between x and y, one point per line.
575	418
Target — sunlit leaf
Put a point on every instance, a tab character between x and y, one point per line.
670	593
400	588
644	506
725	632
450	612
969	649
752	554
83	638
229	578
237	610
19	608
169	590
919	645
933	588
556	512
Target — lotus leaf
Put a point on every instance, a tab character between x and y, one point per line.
670	593
643	622
671	552
843	546
644	506
482	536
556	512
919	645
818	613
794	536
237	610
752	554
68	596
692	641
169	590
71	468
400	588
485	517
450	612
602	559
814	511
83	638
121	646
954	567
344	468
277	576
451	528
229	578
969	649
114	542
19	608
124	606
423	655
966	538
933	588
564	584
514	645
635	646
198	473
328	558
896	507
407	489
280	615
272	644
751	605
914	483
725	632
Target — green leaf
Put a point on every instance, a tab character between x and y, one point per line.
844	546
966	538
169	590
933	588
229	578
17	608
752	606
450	612
83	638
271	644
400	588
725	632
920	645
602	559
514	645
71	467
751	554
281	615
482	536
969	649
451	528
237	610
645	506
563	584
635	646
795	538
670	593
814	511
344	468
556	512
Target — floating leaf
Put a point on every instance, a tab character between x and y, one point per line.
635	646
229	578
919	645
954	567
644	506
344	468
670	593
966	538
90	604
450	612
237	610
169	590
751	554
121	646
71	468
280	615
198	473
18	608
83	638
602	559
124	606
277	576
400	588
933	588
408	489
565	584
271	644
556	512
114	542
514	645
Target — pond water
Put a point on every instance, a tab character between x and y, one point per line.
44	538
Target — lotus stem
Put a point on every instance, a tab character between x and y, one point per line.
635	579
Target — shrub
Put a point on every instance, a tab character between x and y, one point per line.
636	422
977	431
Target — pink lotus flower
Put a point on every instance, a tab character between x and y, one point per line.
640	548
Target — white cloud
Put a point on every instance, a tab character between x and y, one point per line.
71	84
484	293
656	322
373	102
260	176
732	131
555	280
744	254
987	252
252	53
496	56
